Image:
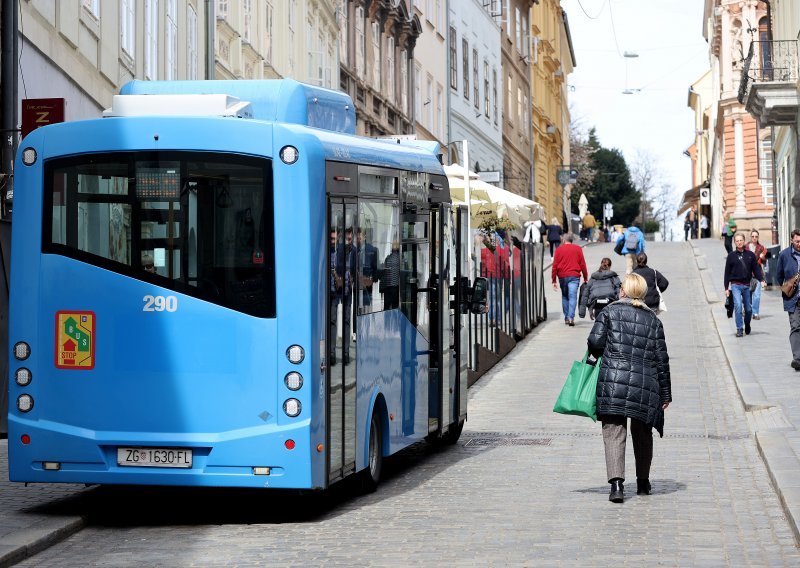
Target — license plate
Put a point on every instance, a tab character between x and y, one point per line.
154	457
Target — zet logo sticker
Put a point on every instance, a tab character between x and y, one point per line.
75	333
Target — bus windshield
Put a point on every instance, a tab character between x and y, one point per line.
197	223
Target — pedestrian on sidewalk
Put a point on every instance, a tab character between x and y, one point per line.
601	290
589	223
568	266
740	267
655	281
633	245
554	235
703	226
789	267
761	256
633	382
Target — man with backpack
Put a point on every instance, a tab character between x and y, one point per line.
632	241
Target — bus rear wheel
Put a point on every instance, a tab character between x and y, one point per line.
371	475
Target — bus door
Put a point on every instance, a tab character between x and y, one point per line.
415	297
442	353
341	356
459	270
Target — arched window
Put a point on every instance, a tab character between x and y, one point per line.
765	52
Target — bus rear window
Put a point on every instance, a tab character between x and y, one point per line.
198	223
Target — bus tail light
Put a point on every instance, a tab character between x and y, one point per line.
23	376
295	354
24	403
22	350
289	444
292	407
25	439
293	380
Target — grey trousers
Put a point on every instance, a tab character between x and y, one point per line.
794	332
615	434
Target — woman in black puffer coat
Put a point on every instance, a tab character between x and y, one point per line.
634	382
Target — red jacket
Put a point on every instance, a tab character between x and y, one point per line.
569	261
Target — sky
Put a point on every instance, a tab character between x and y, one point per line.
667	35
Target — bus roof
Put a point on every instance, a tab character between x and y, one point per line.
280	100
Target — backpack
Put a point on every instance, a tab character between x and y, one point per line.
632	241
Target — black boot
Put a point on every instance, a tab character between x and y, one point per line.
642	486
617	491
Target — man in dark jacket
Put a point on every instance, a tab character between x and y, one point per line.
740	266
788	267
601	290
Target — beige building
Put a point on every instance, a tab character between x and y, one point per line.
376	55
552	60
84	51
771	93
270	39
699	100
515	43
740	173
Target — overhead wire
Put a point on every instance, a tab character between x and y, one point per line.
598	13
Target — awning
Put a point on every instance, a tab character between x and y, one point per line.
691	197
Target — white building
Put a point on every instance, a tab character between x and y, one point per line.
475	85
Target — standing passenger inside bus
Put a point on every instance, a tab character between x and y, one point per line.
368	265
390	278
343	259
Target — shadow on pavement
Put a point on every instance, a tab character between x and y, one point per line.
659	487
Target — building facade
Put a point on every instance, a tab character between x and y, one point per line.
740	172
771	93
85	51
430	72
474	87
552	60
273	39
515	42
376	54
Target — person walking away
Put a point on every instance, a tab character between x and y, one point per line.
740	266
554	235
589	223
568	266
689	221
760	251
654	279
602	289
788	267
633	383
703	227
634	244
728	231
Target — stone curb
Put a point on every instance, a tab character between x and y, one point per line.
779	457
19	545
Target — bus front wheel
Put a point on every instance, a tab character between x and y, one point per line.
372	473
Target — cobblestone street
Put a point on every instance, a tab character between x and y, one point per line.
523	487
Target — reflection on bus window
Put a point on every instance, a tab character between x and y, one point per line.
378	256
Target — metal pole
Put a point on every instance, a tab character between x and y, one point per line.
468	199
8	96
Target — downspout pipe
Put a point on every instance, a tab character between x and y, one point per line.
211	26
8	95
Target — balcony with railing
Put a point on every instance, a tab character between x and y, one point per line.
769	85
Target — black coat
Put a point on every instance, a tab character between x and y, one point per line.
634	379
649	274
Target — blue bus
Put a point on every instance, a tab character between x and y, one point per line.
219	284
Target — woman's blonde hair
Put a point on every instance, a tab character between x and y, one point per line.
635	288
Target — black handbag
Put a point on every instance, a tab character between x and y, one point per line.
620	245
729	305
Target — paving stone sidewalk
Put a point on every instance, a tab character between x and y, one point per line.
769	388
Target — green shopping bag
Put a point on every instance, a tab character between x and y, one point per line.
579	393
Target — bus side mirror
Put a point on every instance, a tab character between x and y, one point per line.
478	295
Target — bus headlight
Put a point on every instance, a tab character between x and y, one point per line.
295	354
25	403
22	350
293	380
292	407
23	377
